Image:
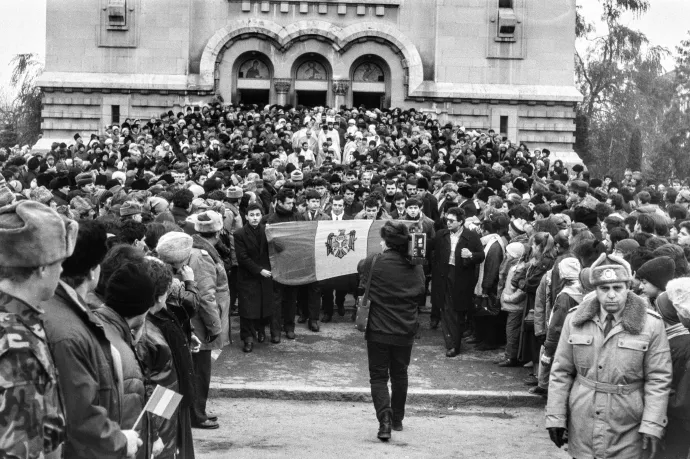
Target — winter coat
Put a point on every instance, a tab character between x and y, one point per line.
466	270
564	303
491	265
207	322
134	392
542	305
281	215
513	299
221	258
157	362
91	391
607	390
255	292
679	401
320	216
394	293
181	362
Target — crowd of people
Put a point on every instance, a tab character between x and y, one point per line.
124	254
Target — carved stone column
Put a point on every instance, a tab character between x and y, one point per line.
282	87
340	89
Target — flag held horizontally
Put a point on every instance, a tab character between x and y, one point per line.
163	403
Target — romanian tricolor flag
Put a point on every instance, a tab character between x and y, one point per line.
306	252
163	402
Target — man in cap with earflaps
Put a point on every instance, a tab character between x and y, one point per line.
611	374
34	241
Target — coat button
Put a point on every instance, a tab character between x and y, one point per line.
600	367
597	413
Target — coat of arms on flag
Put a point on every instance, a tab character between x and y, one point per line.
340	244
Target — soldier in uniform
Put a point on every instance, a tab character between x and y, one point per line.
611	374
34	240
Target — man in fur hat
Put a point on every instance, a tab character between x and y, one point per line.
34	241
611	374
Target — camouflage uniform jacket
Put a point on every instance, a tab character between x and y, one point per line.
32	422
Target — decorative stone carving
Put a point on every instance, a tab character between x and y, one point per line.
282	85
340	87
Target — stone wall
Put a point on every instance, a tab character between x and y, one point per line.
441	56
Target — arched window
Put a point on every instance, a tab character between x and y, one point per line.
311	70
370	82
254	75
368	72
254	69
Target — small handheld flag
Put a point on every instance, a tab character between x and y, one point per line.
163	403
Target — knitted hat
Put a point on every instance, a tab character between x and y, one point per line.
569	268
515	249
296	176
609	270
7	197
41	194
666	309
130	290
678	291
32	234
84	179
130	208
627	246
657	271
80	205
174	247
208	222
518	225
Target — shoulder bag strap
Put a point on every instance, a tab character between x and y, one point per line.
365	299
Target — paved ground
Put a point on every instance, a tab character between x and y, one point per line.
336	357
257	428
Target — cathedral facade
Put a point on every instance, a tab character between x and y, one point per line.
501	64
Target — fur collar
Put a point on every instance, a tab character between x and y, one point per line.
633	317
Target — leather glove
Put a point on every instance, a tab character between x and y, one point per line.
556	434
541	339
650	443
210	339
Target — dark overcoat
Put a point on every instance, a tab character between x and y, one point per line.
255	292
466	270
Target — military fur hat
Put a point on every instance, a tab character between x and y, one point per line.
32	235
208	222
608	270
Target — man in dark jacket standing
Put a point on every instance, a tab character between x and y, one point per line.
83	356
284	296
394	292
253	279
456	253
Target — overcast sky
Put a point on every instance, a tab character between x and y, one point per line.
22	27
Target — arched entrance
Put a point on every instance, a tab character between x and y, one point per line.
370	82
312	76
253	73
